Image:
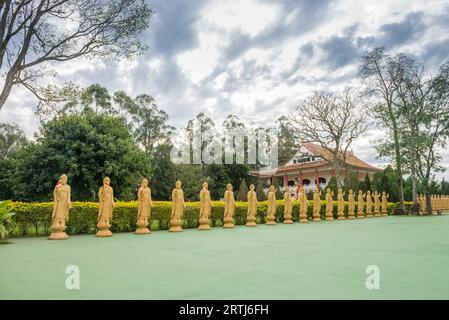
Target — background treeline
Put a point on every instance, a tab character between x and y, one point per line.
93	134
90	133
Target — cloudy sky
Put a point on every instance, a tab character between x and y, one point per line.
258	58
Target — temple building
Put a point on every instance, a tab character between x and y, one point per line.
311	166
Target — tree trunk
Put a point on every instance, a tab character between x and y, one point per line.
337	169
6	90
414	191
399	168
428	203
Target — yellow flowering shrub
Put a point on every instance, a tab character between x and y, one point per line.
35	218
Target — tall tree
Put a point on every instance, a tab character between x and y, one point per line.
236	171
421	114
71	100
200	132
332	121
380	74
288	140
243	191
97	98
163	180
11	139
34	34
428	115
148	121
87	147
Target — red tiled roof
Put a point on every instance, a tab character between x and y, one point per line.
351	159
318	150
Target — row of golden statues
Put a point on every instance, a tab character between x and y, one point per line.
438	203
375	205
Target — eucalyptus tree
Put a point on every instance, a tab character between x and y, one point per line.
413	105
426	113
11	139
380	75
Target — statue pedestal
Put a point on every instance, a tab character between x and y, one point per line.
204	224
360	216
251	222
288	219
58	233
228	223
351	216
271	220
103	231
316	218
303	218
341	216
384	214
369	215
329	217
142	228
377	214
175	226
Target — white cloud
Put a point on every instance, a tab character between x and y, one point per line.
248	16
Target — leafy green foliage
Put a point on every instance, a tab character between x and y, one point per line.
6	222
87	147
11	139
243	191
288	140
332	184
260	193
192	179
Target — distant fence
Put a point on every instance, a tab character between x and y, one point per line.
439	203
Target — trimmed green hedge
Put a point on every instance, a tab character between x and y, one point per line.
35	218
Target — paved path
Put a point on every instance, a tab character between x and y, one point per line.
318	260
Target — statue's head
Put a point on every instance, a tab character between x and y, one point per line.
340	190
350	191
63	179
106	181
229	187
251	187
178	184
360	192
205	185
368	192
384	193
287	189
144	182
272	188
376	193
328	190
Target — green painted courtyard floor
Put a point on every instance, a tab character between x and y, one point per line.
302	261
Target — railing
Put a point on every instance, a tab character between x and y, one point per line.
439	203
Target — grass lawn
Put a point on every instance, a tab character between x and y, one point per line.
324	260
